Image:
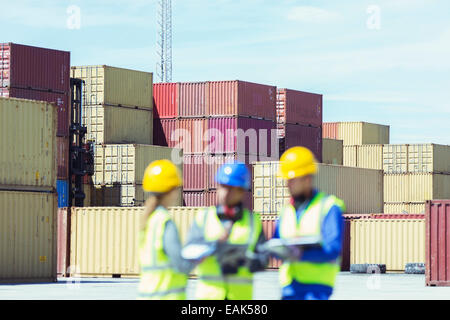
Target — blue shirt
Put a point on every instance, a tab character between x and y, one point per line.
332	232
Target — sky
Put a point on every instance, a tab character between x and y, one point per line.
380	61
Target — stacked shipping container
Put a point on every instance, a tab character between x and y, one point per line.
299	120
41	74
214	122
28	201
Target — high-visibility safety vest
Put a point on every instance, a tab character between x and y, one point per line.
308	224
212	283
159	280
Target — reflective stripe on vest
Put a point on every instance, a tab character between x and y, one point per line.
309	224
212	283
158	278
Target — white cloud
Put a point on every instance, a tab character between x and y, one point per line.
311	14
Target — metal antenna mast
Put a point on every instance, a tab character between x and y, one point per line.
164	44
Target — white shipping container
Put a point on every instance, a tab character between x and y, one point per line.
361	189
369	156
358	133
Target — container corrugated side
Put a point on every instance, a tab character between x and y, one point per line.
110	124
195	175
63	238
301	107
35	68
388	241
126	163
330	130
361	189
115	86
416	187
199	198
332	151
437	220
240	98
358	133
164	132
242	135
104	241
28	143
28	228
404	207
369	156
191	135
192	99
165	100
62	158
306	136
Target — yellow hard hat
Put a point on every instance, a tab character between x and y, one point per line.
297	162
161	176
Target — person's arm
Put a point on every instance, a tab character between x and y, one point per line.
172	248
332	231
261	259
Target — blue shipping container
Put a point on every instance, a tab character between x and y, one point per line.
62	188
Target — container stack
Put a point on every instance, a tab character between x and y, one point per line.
299	120
44	75
214	123
332	151
28	200
118	114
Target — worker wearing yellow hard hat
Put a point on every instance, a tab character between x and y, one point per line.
163	270
310	273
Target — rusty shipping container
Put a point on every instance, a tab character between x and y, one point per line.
242	135
27	237
437	248
416	158
394	242
305	136
164	132
330	130
165	100
104	241
332	151
192	99
195	175
126	163
300	107
60	100
112	124
27	67
361	189
240	98
106	85
28	144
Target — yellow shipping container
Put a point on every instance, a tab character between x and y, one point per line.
126	163
332	151
361	189
104	241
115	86
416	158
27	236
369	156
405	207
394	242
416	187
109	124
27	144
358	133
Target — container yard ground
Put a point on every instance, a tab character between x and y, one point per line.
348	287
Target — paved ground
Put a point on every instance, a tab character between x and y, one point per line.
348	287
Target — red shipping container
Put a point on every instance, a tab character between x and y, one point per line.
162	132
194	173
240	98
199	198
298	107
192	99
35	68
437	246
243	135
397	216
62	158
63	242
309	137
61	101
192	135
165	100
330	130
